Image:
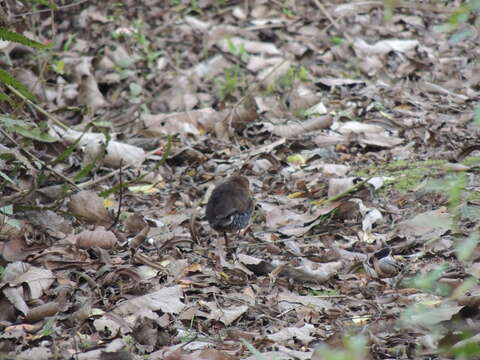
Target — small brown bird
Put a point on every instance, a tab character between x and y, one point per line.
230	205
385	264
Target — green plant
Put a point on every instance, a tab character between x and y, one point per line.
5	77
239	51
229	83
429	282
145	44
456	21
355	348
288	12
294	73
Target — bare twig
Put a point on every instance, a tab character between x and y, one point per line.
80	2
332	20
38	108
31	156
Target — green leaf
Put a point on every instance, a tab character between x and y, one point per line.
476	115
254	351
8	35
46	3
335	40
465	249
460	36
8	79
5	97
6	177
66	153
59	67
35	133
135	89
7	210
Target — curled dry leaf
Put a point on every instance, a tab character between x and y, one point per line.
257	63
353	8
41	312
254	47
271	74
108	326
89	94
16	249
298	333
337	186
9	228
88	206
234	119
97	238
134	223
116	153
92	151
225	315
295	128
34	85
174	123
139	238
166	300
384	46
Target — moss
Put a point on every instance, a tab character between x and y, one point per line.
405	175
471	160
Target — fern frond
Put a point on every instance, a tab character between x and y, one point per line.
8	35
8	79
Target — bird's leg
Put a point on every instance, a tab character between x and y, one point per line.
226	240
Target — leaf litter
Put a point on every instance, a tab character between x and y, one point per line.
354	127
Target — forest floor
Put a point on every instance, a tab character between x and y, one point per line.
355	123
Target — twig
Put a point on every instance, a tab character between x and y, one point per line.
332	20
80	2
29	154
38	108
344	193
228	118
117	217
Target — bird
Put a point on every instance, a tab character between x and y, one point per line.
385	264
230	205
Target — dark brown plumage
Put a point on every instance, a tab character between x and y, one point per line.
230	205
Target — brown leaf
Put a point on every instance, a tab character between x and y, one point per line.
88	206
97	238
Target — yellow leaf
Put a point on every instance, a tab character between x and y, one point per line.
146	189
296	195
296	159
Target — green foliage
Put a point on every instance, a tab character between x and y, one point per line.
229	84
465	248
150	54
8	79
8	35
46	3
426	315
456	21
5	77
59	67
476	115
38	132
335	40
288	12
251	348
469	350
294	73
428	282
355	348
238	50
452	185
